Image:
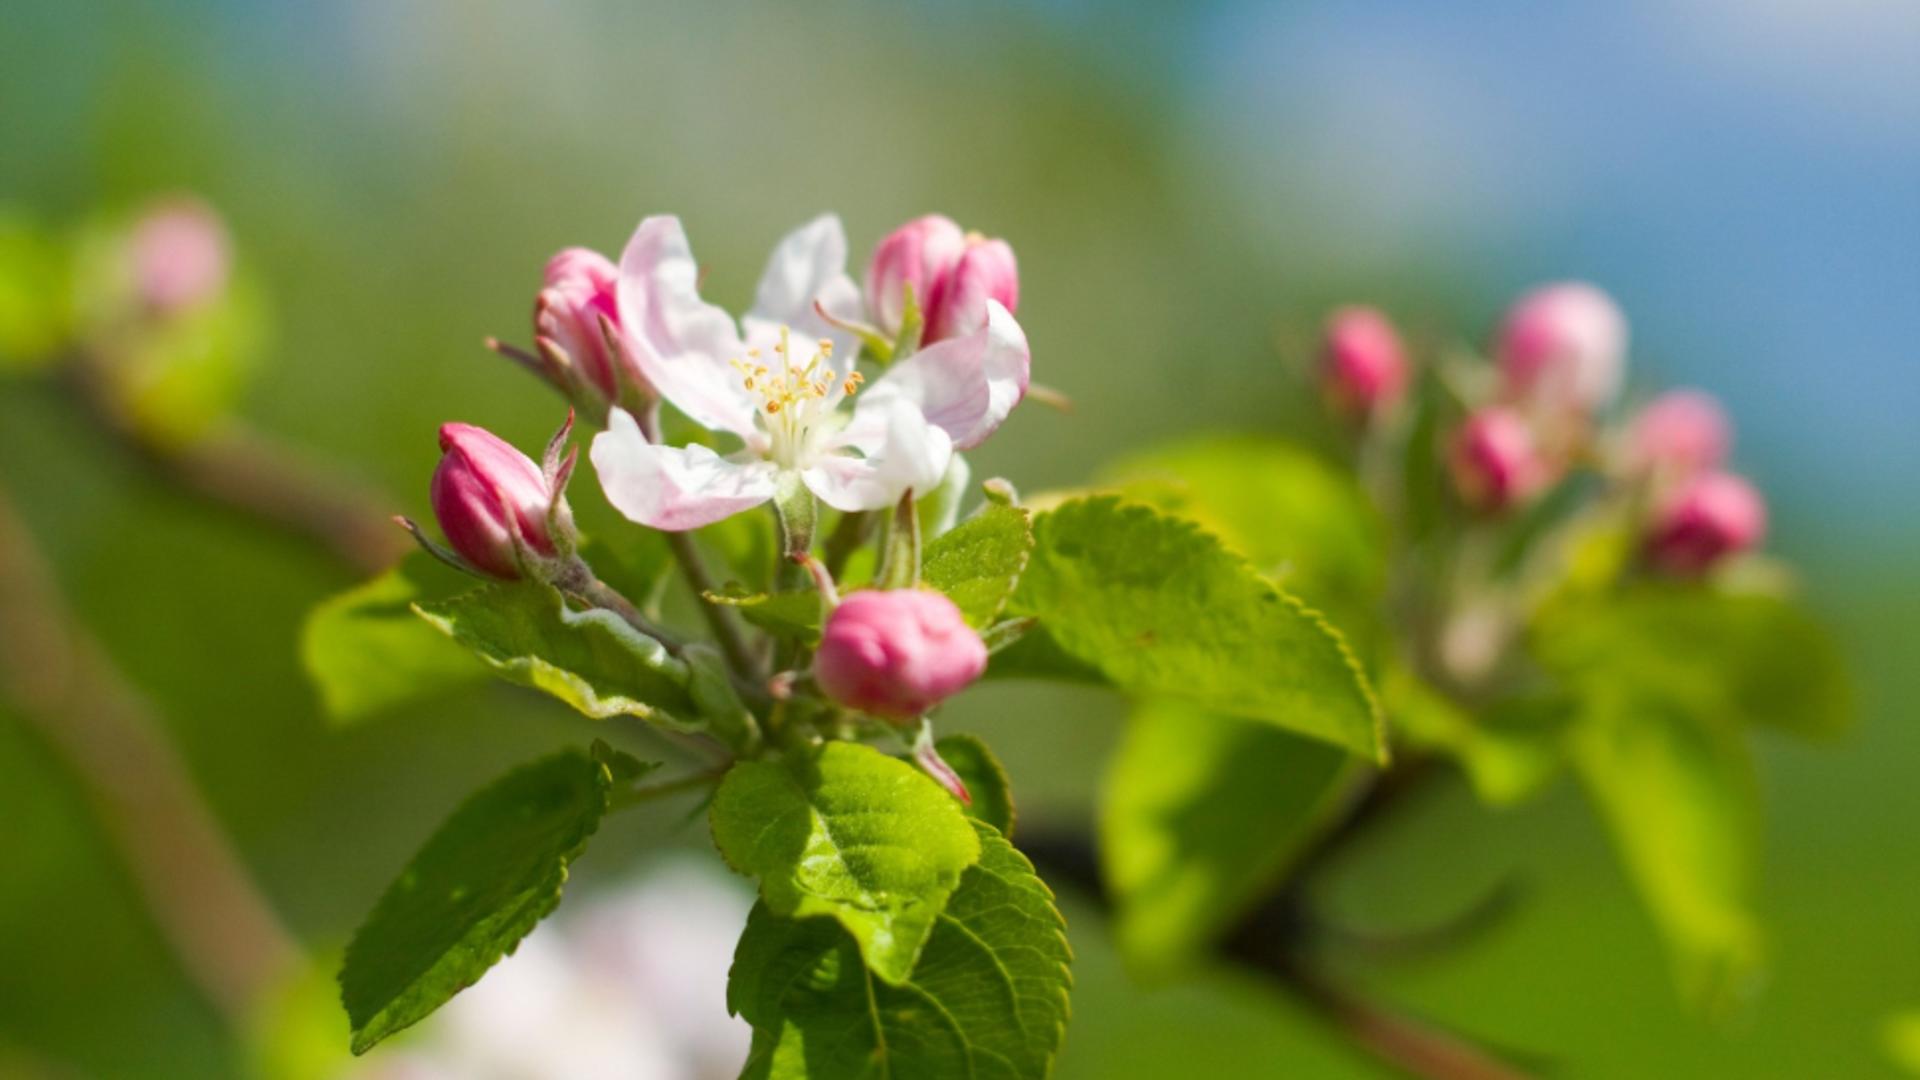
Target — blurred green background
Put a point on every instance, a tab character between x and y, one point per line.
1184	184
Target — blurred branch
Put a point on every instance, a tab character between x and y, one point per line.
64	685
1276	939
238	469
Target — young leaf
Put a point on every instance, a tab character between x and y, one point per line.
487	876
1509	751
591	660
849	832
985	778
1161	609
366	651
977	562
987	1001
1747	659
1679	797
1201	814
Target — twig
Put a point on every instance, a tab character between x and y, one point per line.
221	929
1275	939
240	470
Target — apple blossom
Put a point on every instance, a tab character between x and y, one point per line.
1679	433
897	653
1710	516
776	380
1563	347
1495	461
1363	364
493	502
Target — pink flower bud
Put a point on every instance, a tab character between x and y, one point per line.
1679	433
958	302
1364	366
895	654
179	255
1711	516
580	290
919	253
1563	346
1496	463
480	481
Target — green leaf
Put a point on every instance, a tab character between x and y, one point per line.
1679	797
988	1000
366	651
792	615
1201	814
978	562
591	660
985	778
1162	609
1749	659
487	876
1510	752
1297	519
849	832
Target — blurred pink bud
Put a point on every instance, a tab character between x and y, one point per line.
179	255
895	654
1680	433
1563	346
483	490
579	292
1364	366
957	304
1711	516
919	253
1495	460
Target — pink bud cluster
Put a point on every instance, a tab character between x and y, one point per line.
1678	446
897	653
493	502
951	274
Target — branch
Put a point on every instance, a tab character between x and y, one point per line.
240	470
64	685
1274	940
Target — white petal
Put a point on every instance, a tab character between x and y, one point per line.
966	385
900	452
673	488
809	265
682	344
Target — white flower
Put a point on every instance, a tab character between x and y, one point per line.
777	380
